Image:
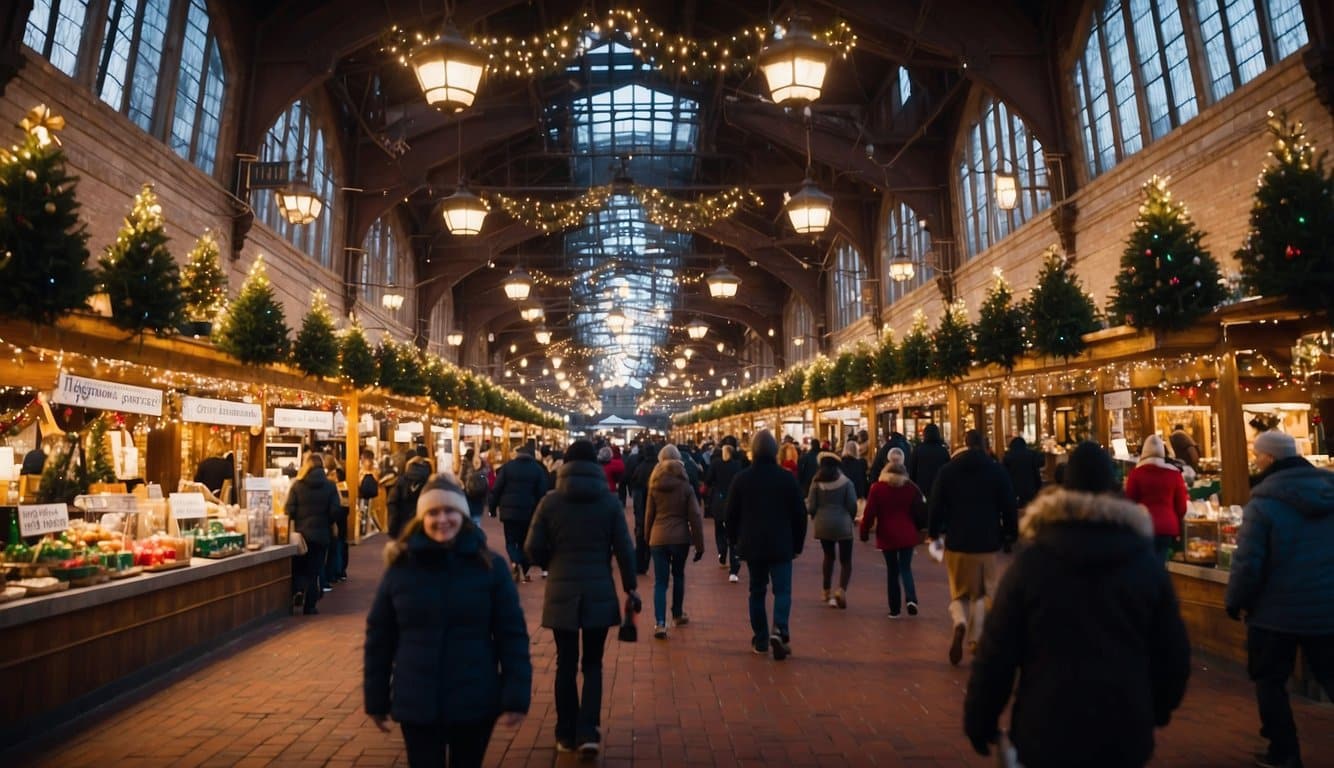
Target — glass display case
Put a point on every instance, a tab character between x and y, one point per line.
1202	540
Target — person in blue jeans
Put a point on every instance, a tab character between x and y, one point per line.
896	509
674	521
766	522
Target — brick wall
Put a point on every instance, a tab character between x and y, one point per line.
1213	161
113	157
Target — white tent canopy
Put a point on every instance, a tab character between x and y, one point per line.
615	422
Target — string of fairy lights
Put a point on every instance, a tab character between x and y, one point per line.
660	208
551	51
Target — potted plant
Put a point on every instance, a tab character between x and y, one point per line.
204	287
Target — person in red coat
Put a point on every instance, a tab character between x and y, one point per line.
896	509
1161	488
612	466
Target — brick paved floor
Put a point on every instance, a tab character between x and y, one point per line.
859	690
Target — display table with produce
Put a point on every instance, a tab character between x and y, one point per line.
72	649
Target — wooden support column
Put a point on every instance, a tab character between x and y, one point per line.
458	449
872	429
1232	432
351	470
1001	423
954	413
426	438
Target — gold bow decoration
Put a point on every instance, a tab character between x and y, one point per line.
41	123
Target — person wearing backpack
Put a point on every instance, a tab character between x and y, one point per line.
520	484
403	499
476	484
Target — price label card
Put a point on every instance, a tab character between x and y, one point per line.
188	506
258	484
36	519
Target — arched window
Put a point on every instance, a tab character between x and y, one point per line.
442	322
756	360
386	262
1136	66
55	29
845	286
296	139
200	84
799	332
998	141
902	238
158	63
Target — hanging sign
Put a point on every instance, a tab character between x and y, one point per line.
1116	401
188	506
291	418
107	395
208	411
36	519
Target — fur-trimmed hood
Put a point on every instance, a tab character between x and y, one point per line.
1059	507
892	478
1157	461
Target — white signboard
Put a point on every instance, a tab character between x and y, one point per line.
188	506
107	395
208	411
258	484
291	418
1116	401
36	519
402	436
470	430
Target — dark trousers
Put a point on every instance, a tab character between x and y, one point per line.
1270	660
335	565
761	573
1162	546
464	743
308	568
898	563
669	562
578	718
726	554
516	532
642	555
844	562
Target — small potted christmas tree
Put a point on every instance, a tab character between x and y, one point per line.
254	329
1059	311
203	286
316	349
139	274
998	337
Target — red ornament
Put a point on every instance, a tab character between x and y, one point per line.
1291	253
1175	281
1148	251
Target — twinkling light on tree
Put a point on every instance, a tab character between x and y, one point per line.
203	282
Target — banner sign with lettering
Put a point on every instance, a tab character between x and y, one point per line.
188	506
36	519
208	411
291	418
107	395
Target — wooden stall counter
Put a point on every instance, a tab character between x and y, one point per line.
1200	592
67	652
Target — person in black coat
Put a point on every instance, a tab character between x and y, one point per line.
854	468
520	484
446	649
1025	468
648	461
312	504
576	531
972	505
723	469
402	502
808	465
1088	620
927	459
766	524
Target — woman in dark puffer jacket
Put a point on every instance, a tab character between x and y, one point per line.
446	643
1087	618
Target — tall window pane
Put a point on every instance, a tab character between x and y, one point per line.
1123	82
1287	25
55	30
148	60
799	330
901	238
199	89
294	138
845	284
998	142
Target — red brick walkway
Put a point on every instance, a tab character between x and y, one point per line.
860	690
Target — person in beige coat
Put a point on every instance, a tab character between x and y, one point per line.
674	522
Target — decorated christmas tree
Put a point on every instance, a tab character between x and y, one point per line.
794	386
915	352
357	364
887	360
138	273
951	344
43	246
1290	248
1167	280
817	378
838	375
316	349
101	468
998	337
411	365
861	373
203	283
1059	311
254	330
386	359
65	475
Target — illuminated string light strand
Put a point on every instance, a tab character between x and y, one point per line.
659	207
551	51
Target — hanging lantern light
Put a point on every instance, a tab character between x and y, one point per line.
722	283
794	64
532	313
1007	191
697	329
464	212
297	202
542	335
454	338
617	321
901	267
680	363
392	301
449	70
810	209
663	382
557	361
518	284
688	352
